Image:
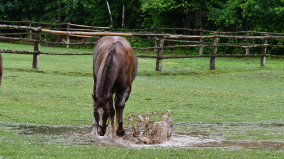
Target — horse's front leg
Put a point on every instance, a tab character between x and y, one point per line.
95	128
120	100
95	125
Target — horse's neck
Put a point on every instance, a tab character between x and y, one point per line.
106	76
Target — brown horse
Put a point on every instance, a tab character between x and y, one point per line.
114	69
1	68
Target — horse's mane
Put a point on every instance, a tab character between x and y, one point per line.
109	70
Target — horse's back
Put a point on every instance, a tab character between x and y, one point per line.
106	40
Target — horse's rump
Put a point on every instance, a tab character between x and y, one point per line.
113	59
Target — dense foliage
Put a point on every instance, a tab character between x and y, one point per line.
221	15
229	15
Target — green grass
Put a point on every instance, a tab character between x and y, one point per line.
59	93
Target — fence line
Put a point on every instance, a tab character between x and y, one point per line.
142	56
154	29
159	38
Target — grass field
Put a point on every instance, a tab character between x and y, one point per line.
235	100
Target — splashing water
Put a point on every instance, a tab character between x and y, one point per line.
146	131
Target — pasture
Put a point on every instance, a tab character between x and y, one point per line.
238	102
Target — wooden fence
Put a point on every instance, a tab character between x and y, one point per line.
204	39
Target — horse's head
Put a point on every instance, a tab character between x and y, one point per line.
101	113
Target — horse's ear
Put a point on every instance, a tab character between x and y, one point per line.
94	97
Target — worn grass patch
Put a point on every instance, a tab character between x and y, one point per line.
14	145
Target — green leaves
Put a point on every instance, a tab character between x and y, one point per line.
159	5
261	15
228	15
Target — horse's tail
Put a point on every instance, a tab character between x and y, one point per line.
1	68
110	65
112	51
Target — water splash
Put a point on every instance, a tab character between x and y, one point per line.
146	131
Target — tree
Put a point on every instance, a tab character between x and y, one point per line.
261	15
159	12
264	15
175	13
226	15
21	9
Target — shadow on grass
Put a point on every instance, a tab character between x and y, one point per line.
180	73
53	72
144	73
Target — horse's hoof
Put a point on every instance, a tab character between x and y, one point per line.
120	133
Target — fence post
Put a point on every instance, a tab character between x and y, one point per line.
248	42
156	39
201	43
263	52
31	37
67	36
213	52
37	49
159	54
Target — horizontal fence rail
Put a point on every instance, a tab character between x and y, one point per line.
205	39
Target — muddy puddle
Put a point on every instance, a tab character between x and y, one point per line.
179	139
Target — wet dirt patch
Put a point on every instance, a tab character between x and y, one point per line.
173	63
53	72
205	138
49	130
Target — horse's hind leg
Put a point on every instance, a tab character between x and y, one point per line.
112	113
120	100
95	84
119	120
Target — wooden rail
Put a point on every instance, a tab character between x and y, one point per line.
160	42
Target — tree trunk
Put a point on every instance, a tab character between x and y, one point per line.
109	11
59	20
199	15
188	22
123	16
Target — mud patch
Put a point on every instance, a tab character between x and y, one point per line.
174	63
179	139
49	130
